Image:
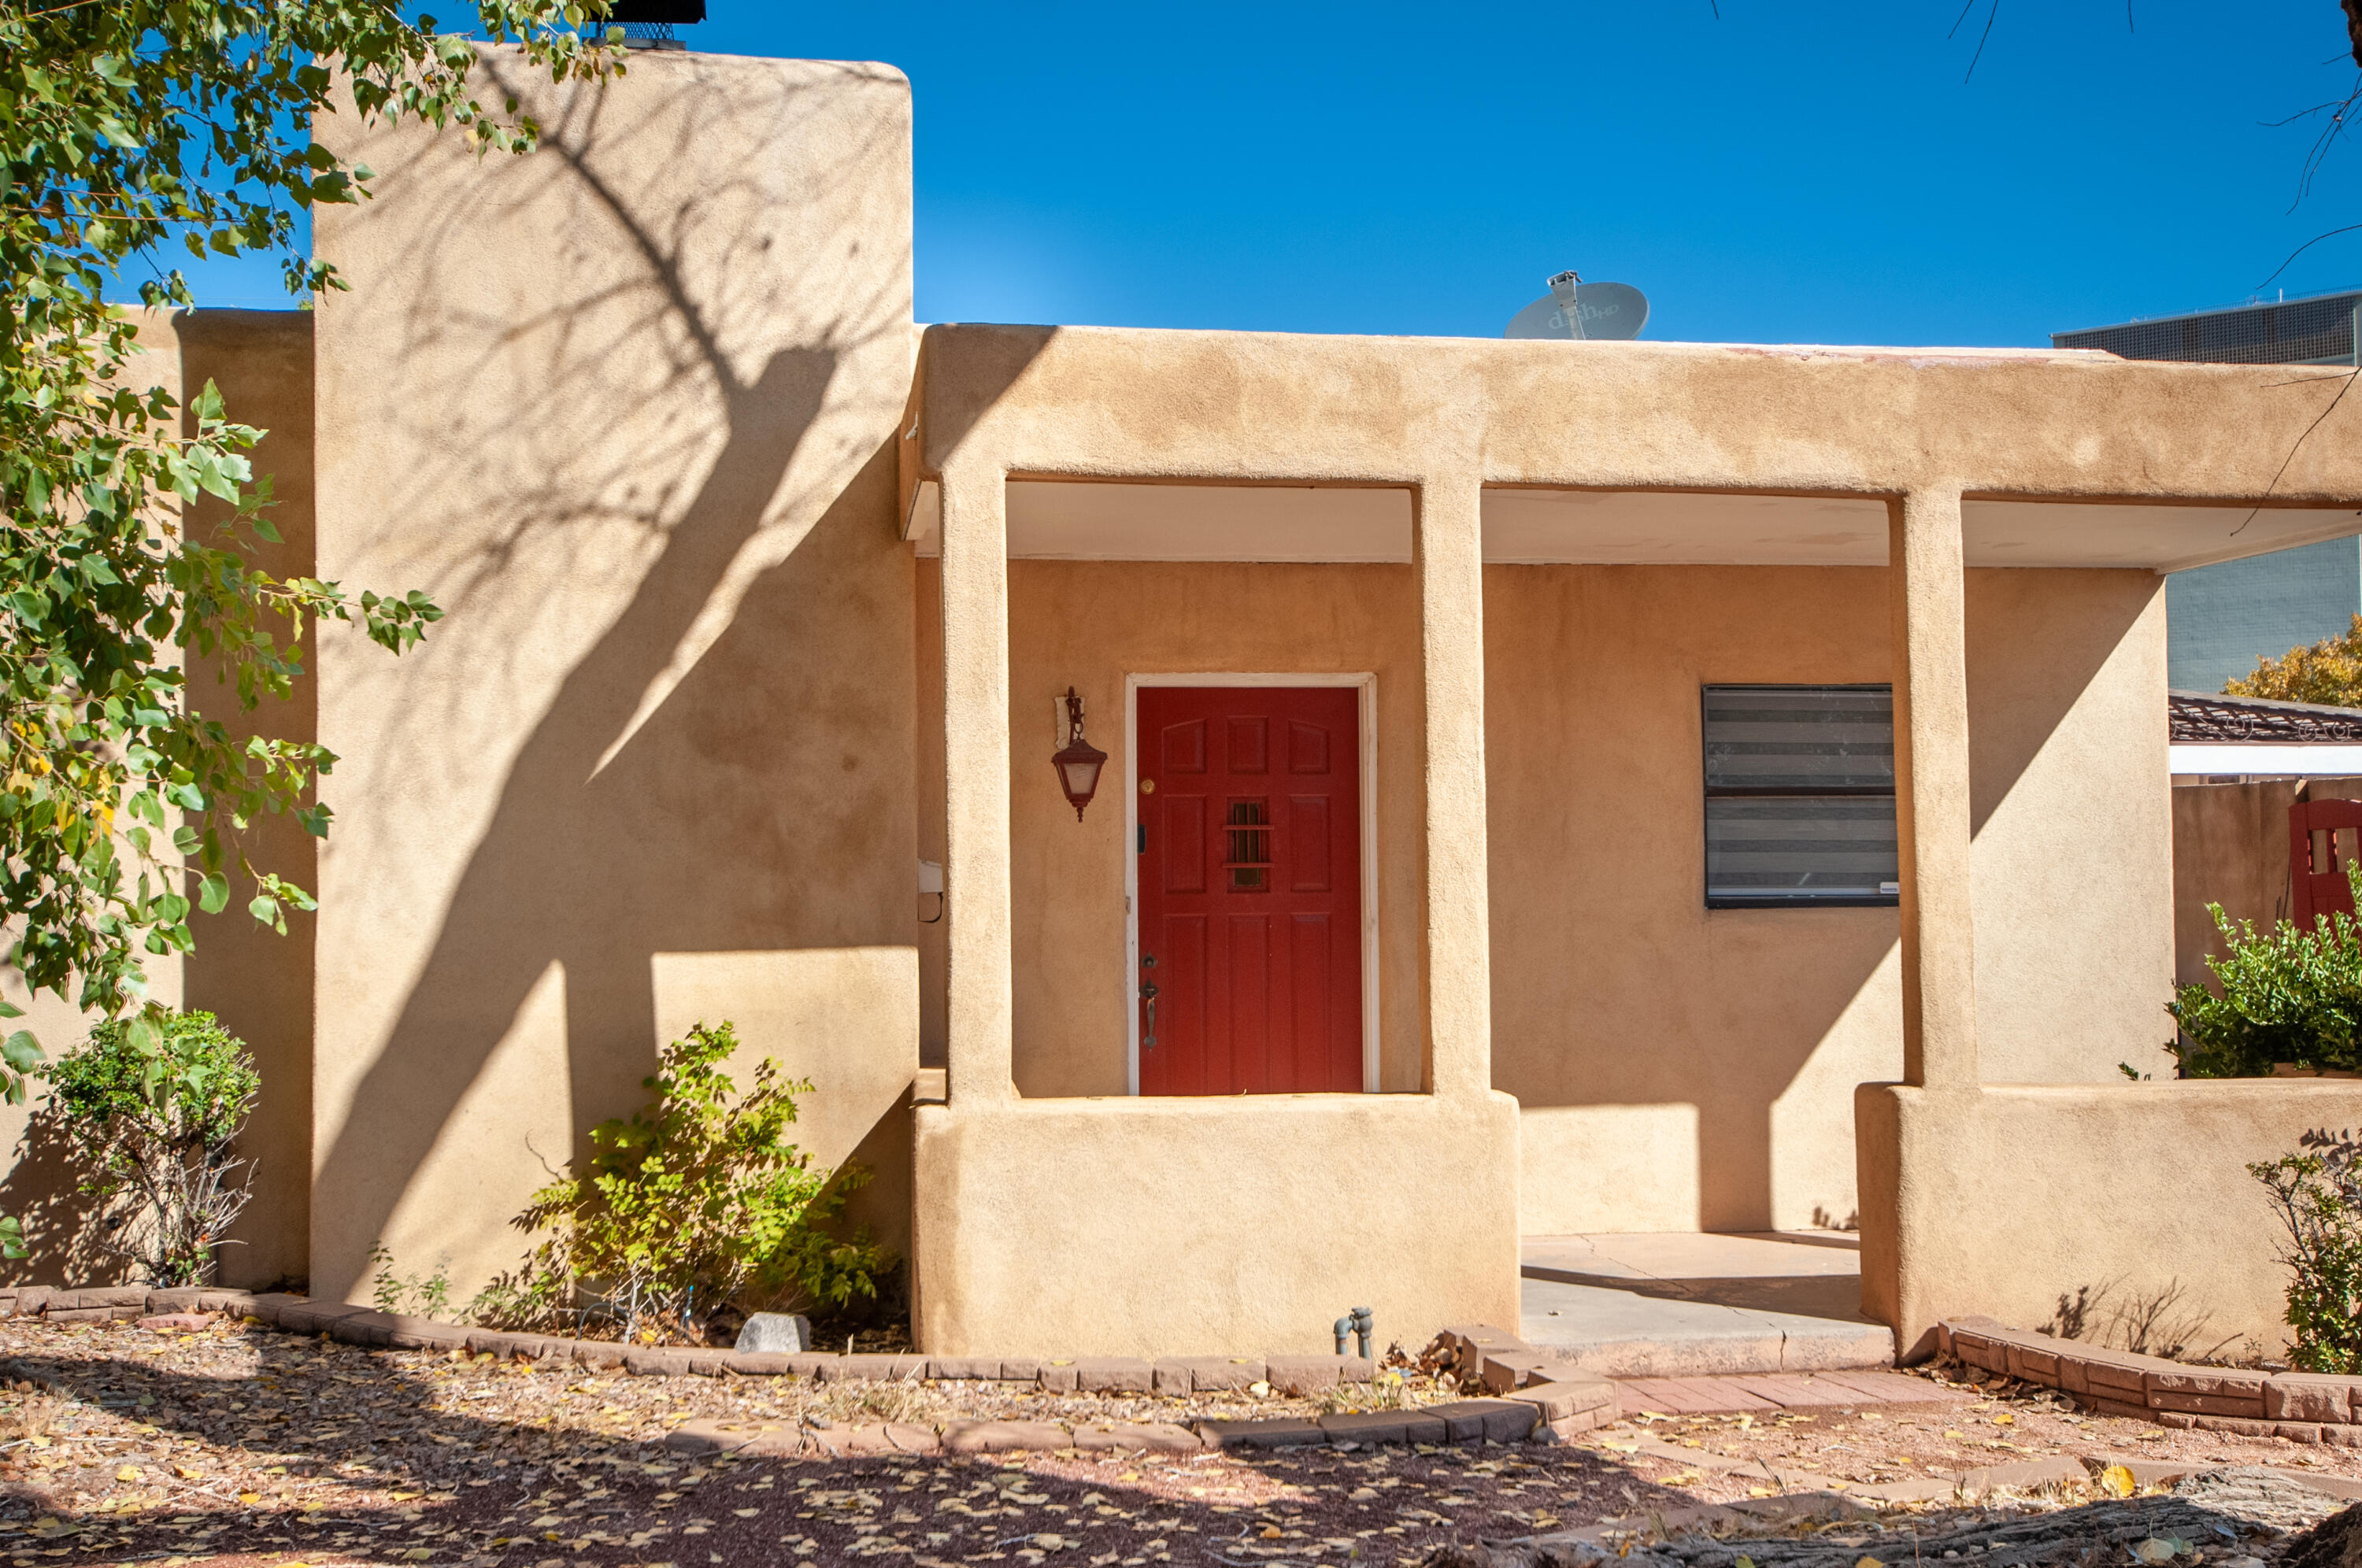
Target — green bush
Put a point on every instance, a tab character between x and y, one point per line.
2318	1199
696	1203
152	1113
2287	995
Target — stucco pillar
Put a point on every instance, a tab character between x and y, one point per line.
1452	650
980	1021
1931	790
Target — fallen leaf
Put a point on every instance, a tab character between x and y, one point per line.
128	1473
2004	1419
2116	1481
2153	1551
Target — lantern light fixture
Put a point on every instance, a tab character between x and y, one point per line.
1079	762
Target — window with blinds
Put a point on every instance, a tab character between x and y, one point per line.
1800	796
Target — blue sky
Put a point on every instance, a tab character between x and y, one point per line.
1789	173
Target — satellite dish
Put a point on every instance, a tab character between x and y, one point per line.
1598	311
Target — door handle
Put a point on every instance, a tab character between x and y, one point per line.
1148	995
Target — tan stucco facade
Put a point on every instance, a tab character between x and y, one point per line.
757	598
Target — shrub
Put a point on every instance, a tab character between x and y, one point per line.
2317	1197
153	1113
696	1203
2287	996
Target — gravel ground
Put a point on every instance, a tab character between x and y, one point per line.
233	1445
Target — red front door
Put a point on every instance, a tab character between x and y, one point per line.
1250	889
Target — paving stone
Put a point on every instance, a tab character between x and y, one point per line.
1283	1433
99	1296
162	1303
1115	1374
2034	1365
1005	1437
30	1299
167	1322
1503	1421
90	1314
656	1363
425	1333
873	1368
2239	1424
2105	1406
314	1317
2308	1396
1020	1369
1371	1428
1129	1437
708	1434
763	1364
1567	1428
2216	1382
2343	1436
1060	1376
239	1302
1310	1374
598	1355
1206	1373
1557	1401
1474	1342
1797	1393
908	1438
962	1368
267	1306
362	1329
2207	1404
2298	1431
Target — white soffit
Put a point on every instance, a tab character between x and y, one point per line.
2168	538
1060	520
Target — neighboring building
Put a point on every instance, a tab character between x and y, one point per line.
2222	619
1562	786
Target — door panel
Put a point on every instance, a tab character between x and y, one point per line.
1251	899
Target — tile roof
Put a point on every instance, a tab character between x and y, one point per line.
2204	717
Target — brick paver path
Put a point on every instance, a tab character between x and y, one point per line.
1779	1391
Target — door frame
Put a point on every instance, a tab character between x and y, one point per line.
1365	683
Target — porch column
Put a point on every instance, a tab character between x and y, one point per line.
1931	790
982	1021
1451	648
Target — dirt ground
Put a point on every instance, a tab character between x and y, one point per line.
236	1446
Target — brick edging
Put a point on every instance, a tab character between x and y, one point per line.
1539	1391
2306	1406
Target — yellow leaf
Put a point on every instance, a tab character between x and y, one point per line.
2116	1481
2004	1419
128	1473
1867	1562
1271	1532
187	1471
249	1497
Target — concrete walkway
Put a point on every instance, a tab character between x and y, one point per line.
1689	1305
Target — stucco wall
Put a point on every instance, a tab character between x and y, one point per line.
2230	847
257	981
1167	1227
1090	623
626	407
1686	1069
2009	1197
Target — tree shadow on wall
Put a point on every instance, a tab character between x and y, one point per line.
731	816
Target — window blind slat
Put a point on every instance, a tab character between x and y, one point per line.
1800	804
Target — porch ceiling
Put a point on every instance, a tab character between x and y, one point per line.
1061	520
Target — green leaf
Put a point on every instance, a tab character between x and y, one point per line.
212	894
22	1051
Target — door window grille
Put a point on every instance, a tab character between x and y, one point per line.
1800	796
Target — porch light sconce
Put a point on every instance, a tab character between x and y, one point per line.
1078	764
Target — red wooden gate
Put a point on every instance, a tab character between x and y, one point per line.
1250	978
2319	887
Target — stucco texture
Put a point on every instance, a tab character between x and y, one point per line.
2008	1198
1089	625
1681	1067
626	407
257	981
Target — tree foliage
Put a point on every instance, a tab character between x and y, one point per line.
2329	672
695	1203
133	132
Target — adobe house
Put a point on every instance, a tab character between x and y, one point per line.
1550	787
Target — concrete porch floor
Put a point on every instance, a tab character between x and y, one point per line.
1690	1304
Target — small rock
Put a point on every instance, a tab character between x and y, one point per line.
777	1333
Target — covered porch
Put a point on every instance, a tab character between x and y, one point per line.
1526	561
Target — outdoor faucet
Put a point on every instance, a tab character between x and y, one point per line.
1360	1323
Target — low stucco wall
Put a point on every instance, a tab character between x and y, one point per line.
2230	847
2005	1199
1212	1226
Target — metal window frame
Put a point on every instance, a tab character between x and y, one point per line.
1710	791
